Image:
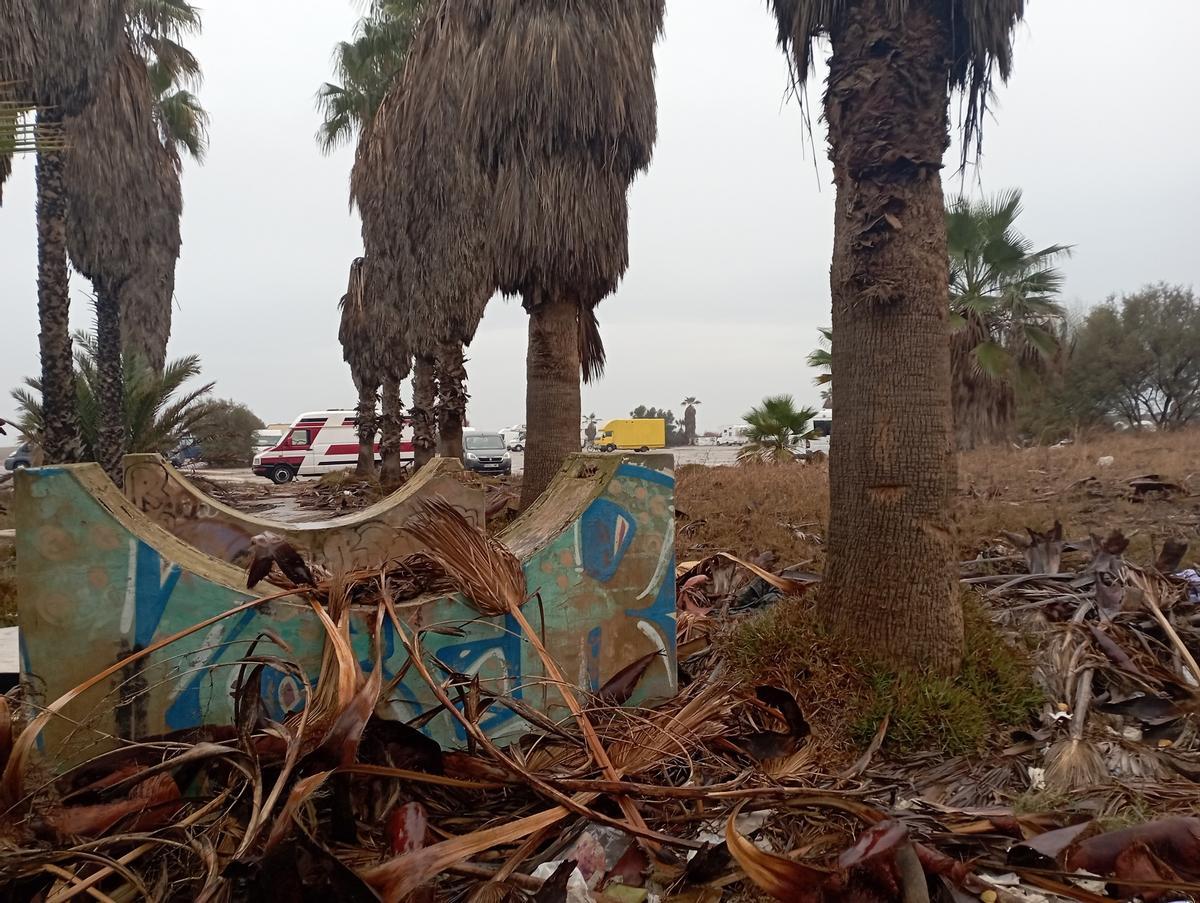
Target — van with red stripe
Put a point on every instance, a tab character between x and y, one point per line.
317	443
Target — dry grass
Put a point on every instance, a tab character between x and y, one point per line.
1008	489
8	584
752	509
785	509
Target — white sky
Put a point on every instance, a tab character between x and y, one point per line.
730	231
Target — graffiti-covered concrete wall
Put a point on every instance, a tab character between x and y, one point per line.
363	539
98	580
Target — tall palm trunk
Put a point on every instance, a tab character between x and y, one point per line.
391	473
424	399
891	582
984	405
452	398
552	404
367	425
61	441
111	438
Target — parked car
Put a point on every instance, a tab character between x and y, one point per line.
316	443
187	453
485	453
22	457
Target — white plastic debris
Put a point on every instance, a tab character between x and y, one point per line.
1106	461
577	889
1037	778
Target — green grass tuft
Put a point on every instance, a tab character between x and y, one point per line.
959	715
956	716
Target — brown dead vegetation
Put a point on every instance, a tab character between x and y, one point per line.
785	509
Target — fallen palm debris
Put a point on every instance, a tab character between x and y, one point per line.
713	791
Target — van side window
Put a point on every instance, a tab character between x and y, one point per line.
298	439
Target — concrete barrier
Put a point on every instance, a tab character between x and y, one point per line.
98	580
363	539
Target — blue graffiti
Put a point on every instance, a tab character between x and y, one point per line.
186	711
461	657
661	612
151	593
637	472
607	532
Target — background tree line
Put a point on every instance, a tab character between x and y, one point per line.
1133	361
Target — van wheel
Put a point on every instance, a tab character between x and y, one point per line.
282	474
644	448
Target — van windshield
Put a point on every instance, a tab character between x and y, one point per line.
479	443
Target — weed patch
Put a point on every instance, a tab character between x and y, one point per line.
848	699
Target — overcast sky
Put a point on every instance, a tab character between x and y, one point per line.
730	230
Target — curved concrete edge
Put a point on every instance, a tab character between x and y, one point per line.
362	539
97	580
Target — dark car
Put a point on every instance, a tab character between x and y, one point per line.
485	453
22	457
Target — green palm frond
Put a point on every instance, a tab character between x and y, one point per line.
159	411
183	123
363	70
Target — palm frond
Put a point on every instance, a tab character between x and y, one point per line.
980	45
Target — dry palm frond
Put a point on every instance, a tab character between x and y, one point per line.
480	567
59	49
125	204
560	100
979	43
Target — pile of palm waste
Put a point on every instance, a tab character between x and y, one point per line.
723	792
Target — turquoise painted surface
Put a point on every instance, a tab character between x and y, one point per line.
97	581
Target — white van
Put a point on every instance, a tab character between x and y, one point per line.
733	435
317	443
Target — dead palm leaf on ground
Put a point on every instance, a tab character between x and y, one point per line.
491	576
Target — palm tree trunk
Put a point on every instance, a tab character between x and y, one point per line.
424	399
452	398
111	437
890	589
61	441
391	473
552	404
367	426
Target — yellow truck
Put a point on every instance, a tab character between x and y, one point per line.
640	435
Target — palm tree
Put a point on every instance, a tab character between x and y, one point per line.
773	429
890	588
436	200
125	203
55	54
362	352
689	419
119	206
366	68
562	107
159	411
1004	315
424	404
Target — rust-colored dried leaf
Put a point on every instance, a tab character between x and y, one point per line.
782	878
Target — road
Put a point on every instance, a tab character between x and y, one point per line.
708	455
